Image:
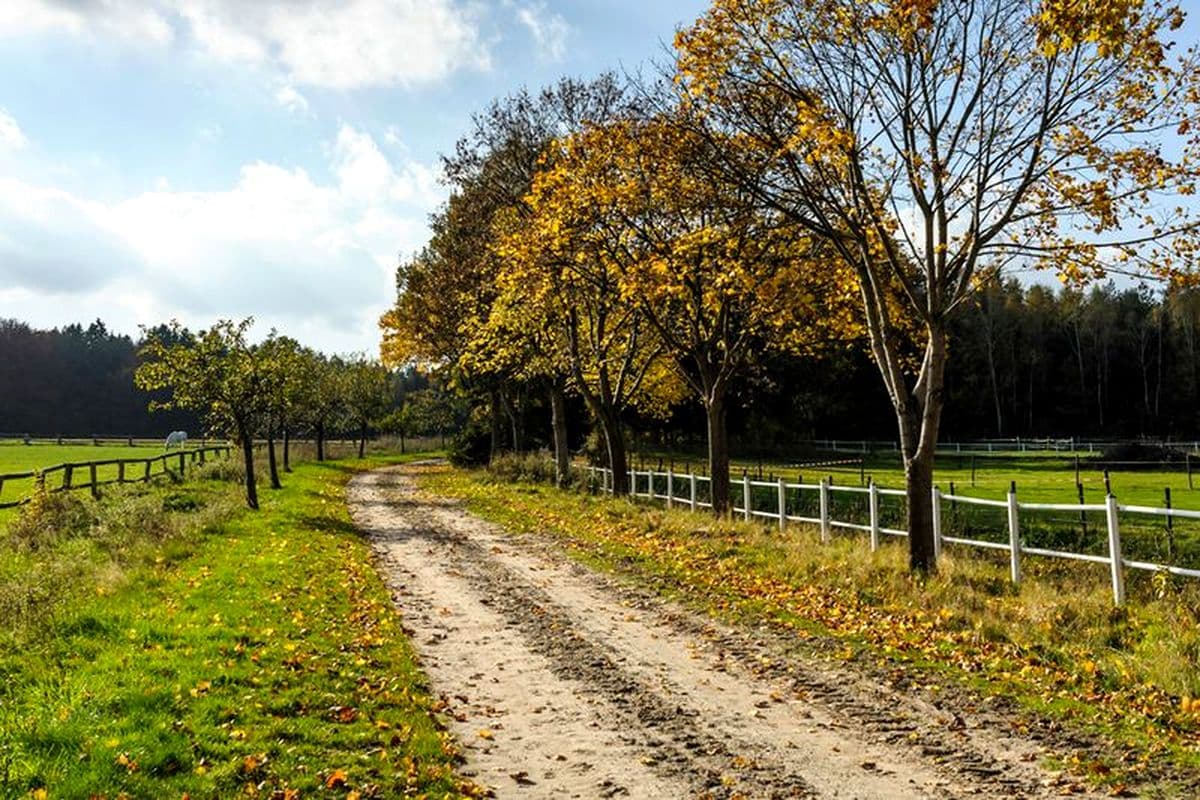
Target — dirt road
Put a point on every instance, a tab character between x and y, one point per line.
561	682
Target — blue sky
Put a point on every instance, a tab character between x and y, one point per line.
197	159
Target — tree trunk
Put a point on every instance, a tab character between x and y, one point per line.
320	441
516	421
274	469
402	450
919	414
618	462
718	454
248	462
494	409
362	441
995	380
287	449
558	421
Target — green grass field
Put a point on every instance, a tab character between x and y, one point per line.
17	457
1040	478
164	642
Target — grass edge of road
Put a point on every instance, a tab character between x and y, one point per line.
1055	647
259	654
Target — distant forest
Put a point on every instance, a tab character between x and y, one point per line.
1035	361
76	381
1030	361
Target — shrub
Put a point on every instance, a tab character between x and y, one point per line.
50	518
228	470
471	446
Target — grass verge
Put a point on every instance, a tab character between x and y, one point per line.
1056	647
249	654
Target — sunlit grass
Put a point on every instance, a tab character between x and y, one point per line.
224	652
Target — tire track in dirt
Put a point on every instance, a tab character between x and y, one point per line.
563	683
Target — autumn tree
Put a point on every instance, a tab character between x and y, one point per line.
215	372
718	279
321	384
930	142
561	271
368	388
443	295
280	358
508	144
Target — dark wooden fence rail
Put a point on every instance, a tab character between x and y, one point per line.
180	459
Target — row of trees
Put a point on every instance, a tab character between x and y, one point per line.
1105	362
805	175
266	390
76	380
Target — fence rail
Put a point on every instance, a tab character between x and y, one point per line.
147	472
684	490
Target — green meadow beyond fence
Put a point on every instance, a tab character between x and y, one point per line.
91	475
1083	532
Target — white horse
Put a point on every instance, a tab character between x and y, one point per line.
177	438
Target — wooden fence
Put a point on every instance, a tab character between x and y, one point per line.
775	498
128	470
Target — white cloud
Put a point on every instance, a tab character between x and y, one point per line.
292	100
341	44
312	258
11	137
550	30
121	19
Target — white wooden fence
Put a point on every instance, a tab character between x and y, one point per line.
681	491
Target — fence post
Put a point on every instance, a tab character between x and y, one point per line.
937	523
121	471
633	482
1114	551
782	505
92	476
1170	525
671	487
146	476
824	485
746	495
68	471
1014	534
873	506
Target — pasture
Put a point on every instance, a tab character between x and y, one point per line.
18	457
1039	478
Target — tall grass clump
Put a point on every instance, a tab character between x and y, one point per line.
65	545
532	467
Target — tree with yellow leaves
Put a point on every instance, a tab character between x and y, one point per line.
718	279
563	277
929	142
447	294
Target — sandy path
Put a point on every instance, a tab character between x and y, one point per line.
562	683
